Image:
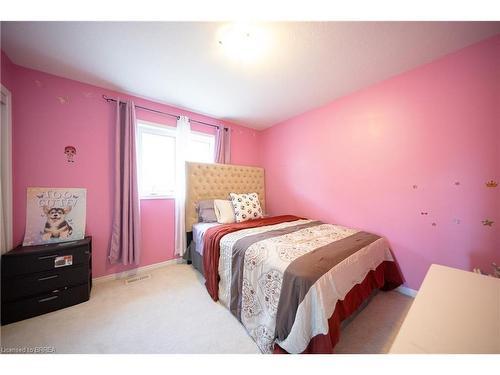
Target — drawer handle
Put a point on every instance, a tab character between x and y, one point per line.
48	257
48	277
47	299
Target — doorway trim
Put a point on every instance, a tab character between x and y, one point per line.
7	98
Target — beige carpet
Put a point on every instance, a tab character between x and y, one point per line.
373	329
172	313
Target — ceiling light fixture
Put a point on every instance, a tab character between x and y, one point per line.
243	42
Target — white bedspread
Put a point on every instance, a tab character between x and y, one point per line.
267	260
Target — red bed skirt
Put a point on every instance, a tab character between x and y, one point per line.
386	277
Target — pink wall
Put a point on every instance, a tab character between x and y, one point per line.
43	126
355	161
6	75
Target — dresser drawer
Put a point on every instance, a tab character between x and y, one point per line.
26	264
42	282
58	299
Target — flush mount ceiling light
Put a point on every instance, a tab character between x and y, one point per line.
243	42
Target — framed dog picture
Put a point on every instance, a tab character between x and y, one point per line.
54	215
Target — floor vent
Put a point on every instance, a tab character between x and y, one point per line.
137	278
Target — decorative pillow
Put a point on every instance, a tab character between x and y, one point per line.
206	211
246	206
224	211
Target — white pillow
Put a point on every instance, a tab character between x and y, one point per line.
246	206
224	211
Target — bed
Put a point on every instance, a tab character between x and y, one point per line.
289	280
194	253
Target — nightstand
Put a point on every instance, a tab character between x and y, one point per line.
40	279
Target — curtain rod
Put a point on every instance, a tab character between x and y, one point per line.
108	99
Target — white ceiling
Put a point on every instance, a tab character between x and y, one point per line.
181	63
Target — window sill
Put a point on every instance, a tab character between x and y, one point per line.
165	197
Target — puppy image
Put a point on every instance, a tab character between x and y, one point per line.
56	225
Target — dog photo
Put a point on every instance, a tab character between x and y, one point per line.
54	215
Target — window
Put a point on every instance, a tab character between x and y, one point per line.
156	160
201	147
156	157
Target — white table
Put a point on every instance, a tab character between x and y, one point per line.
455	311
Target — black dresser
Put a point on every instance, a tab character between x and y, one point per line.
40	279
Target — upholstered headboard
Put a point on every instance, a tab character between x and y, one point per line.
216	181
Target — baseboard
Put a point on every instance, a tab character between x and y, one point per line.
407	291
135	271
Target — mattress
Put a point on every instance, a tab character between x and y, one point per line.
199	230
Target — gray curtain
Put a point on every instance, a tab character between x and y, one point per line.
223	145
125	244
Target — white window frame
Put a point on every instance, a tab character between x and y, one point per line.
157	129
169	131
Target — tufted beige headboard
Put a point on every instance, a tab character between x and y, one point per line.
216	181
